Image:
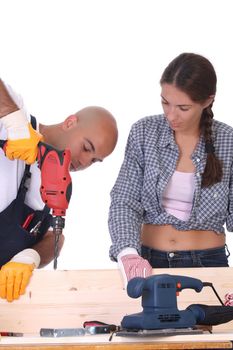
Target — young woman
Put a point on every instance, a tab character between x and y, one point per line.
174	191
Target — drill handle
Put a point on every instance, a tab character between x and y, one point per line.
44	149
56	185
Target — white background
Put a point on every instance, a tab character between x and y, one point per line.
63	55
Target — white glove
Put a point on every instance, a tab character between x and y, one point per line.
131	265
27	256
16	124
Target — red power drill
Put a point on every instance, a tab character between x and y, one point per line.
56	186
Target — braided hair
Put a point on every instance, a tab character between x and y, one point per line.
194	75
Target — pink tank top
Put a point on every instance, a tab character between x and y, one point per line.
178	195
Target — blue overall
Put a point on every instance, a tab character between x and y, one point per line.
13	237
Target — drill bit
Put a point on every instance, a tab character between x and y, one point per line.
56	238
58	225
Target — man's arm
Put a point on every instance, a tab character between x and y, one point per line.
45	248
22	139
7	105
15	275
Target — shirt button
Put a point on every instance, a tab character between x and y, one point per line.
215	195
198	160
171	255
198	174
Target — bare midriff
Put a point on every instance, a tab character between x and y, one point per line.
167	238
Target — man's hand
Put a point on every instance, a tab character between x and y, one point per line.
22	139
24	149
15	275
133	265
14	278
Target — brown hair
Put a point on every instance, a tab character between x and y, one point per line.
195	75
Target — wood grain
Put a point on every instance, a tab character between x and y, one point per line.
63	299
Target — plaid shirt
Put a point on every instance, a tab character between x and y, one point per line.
150	160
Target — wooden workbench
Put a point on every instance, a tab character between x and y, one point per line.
101	342
65	299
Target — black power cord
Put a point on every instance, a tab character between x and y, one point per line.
208	284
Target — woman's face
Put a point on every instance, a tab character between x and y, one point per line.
183	114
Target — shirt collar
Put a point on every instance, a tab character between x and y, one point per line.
200	149
167	136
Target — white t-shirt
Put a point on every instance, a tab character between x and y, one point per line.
11	171
178	195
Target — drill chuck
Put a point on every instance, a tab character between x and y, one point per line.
58	223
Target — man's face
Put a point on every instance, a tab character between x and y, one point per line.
88	144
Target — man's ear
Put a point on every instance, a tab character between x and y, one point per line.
70	122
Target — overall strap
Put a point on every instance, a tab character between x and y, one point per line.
33	122
27	174
2	142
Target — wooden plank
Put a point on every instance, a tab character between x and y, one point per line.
62	299
132	346
96	341
210	341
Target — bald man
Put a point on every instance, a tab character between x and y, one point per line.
90	134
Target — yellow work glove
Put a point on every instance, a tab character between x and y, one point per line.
15	275
14	278
24	149
22	139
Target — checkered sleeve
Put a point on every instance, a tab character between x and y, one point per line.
229	219
125	214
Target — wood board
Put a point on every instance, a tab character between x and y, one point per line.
65	299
